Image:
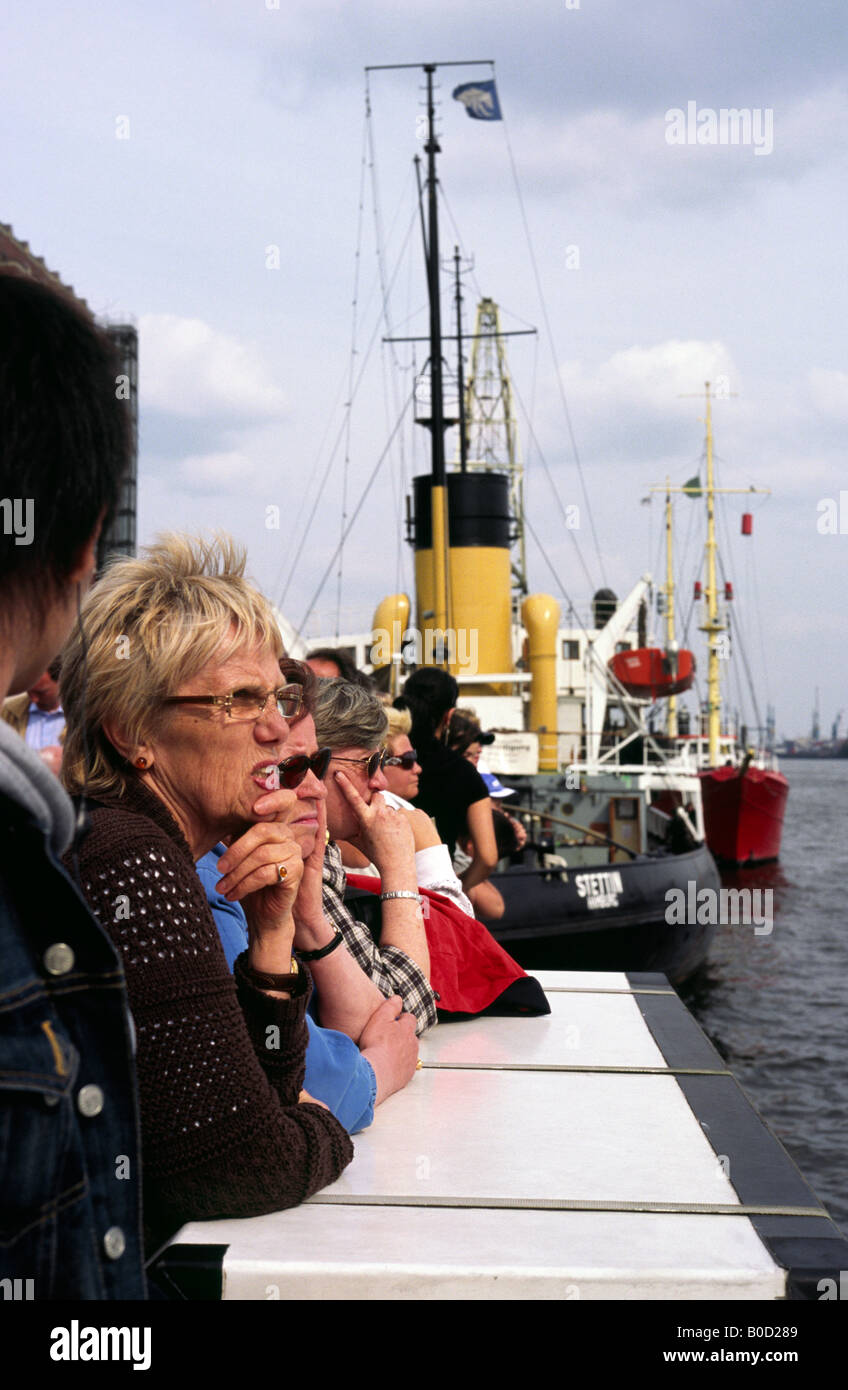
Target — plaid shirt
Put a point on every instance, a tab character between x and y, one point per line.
391	969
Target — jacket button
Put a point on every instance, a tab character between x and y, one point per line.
58	959
90	1101
114	1243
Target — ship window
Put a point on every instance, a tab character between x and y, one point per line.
625	808
570	649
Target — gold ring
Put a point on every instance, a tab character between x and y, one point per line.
282	873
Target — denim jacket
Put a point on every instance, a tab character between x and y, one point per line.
70	1178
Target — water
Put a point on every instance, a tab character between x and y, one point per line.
774	1005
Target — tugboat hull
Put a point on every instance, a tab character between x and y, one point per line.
613	917
743	813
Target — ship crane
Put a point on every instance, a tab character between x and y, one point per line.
491	430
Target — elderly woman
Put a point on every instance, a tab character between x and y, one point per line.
373	1052
177	719
352	722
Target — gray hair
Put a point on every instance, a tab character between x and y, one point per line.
346	716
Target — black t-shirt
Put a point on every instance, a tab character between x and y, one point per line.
448	785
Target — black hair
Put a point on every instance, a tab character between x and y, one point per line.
462	732
348	670
428	695
64	437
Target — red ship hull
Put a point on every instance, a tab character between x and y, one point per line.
743	813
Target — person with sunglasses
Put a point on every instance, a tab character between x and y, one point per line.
352	722
350	1071
433	867
178	717
451	790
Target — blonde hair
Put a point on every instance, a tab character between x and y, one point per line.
400	723
150	624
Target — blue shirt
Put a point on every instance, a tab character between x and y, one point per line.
336	1071
44	727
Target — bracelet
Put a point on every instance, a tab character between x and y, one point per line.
323	950
385	897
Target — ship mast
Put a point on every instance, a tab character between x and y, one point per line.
713	624
439	497
670	640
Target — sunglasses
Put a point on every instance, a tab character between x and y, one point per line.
372	764
293	770
405	760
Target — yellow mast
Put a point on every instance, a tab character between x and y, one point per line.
713	625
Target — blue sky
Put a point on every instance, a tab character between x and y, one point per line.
152	154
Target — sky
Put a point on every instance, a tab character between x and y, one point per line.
206	171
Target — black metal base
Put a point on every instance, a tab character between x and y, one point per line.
551	923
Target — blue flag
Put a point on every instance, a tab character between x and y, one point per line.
480	100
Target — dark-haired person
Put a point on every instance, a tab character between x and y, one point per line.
70	1207
334	663
450	789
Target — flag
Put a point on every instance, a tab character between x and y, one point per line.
693	487
480	100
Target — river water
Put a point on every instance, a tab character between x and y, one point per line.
775	1005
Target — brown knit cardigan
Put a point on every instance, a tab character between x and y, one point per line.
220	1063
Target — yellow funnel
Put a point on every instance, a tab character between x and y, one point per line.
540	615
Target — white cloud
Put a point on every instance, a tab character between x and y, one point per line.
651	378
190	369
217	472
829	392
627	159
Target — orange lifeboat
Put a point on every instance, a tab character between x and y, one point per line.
650	673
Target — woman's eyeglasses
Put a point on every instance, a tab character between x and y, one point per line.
405	760
373	764
293	770
248	704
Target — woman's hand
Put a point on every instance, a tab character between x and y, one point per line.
263	870
384	834
312	930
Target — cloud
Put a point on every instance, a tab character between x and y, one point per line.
217	472
625	158
189	369
829	392
649	378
